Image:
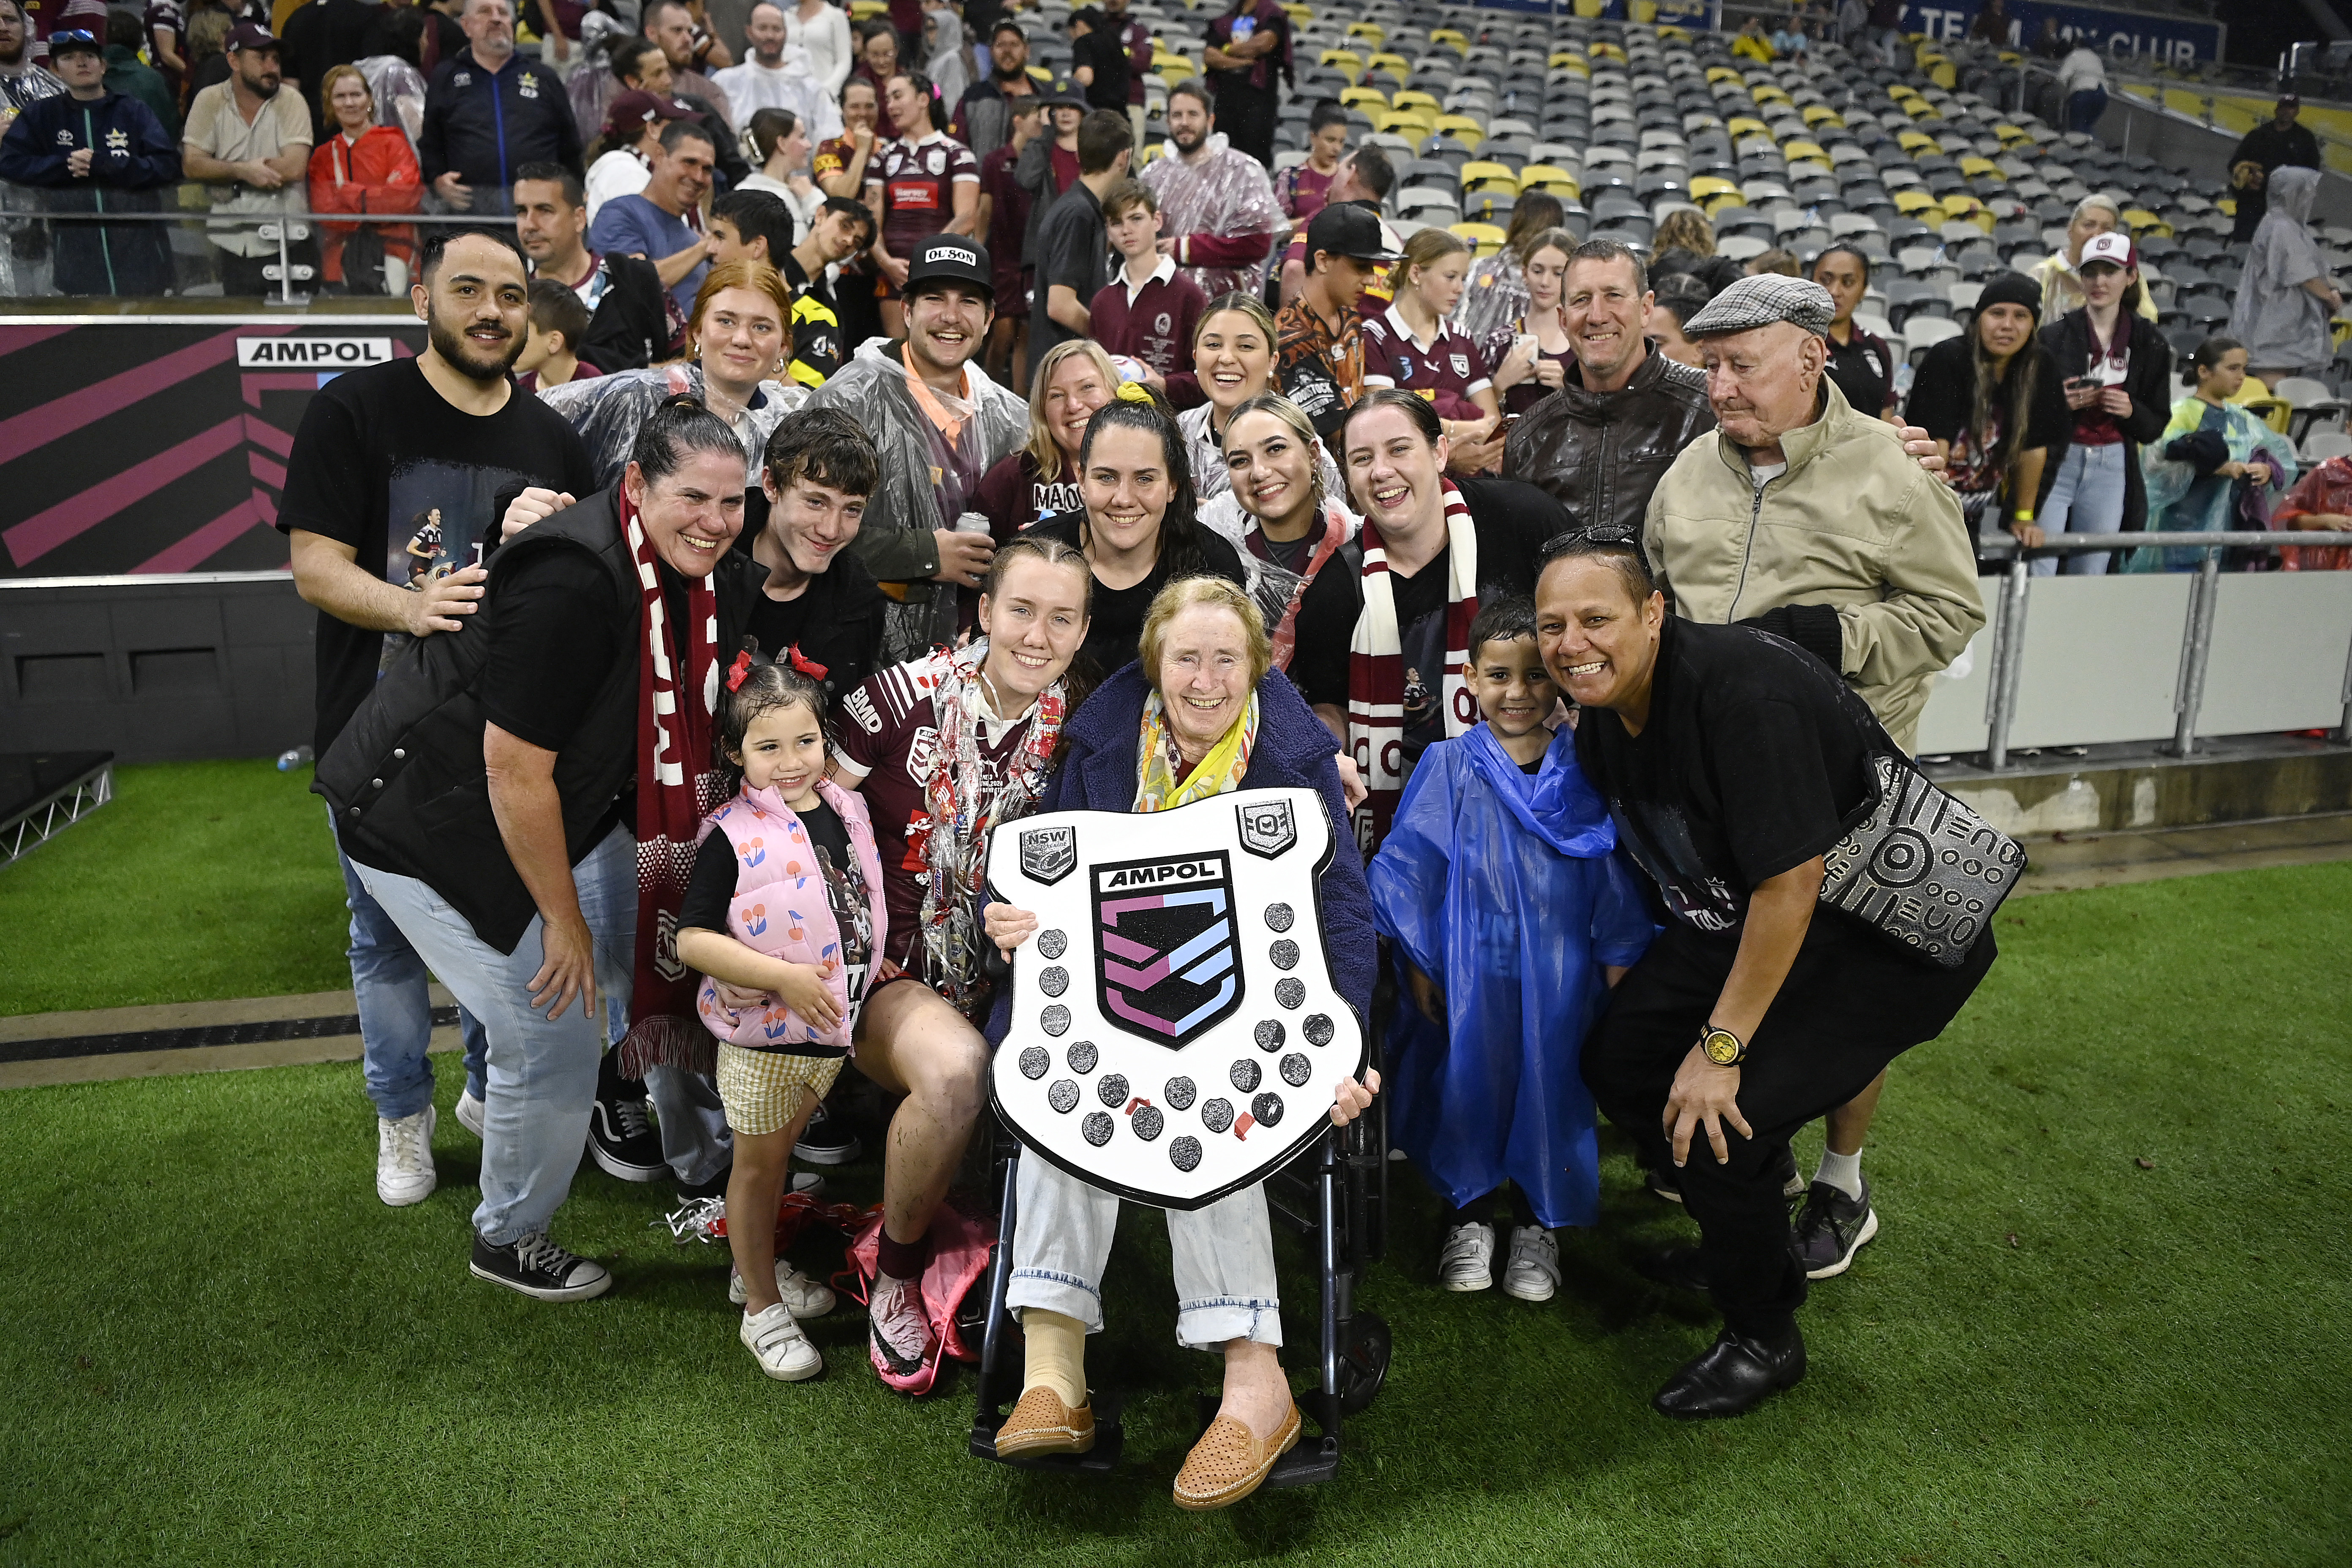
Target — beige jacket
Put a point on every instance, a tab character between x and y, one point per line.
1855	523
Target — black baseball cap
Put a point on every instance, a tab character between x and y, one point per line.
1346	229
949	259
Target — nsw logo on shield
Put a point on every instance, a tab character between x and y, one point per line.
1166	960
1047	854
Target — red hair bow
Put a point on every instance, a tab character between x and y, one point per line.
807	667
737	671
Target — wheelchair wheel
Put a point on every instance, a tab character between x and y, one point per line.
1363	1362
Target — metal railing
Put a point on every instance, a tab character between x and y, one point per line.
2008	657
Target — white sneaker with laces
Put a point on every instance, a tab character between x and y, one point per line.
1466	1262
776	1343
469	1112
1533	1272
403	1159
802	1295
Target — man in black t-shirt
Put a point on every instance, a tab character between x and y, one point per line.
1393	453
1731	762
1074	243
397	474
805	596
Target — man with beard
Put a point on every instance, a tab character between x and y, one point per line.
487	113
939	423
669	24
777	77
628	320
447	434
22	81
983	115
250	139
1218	217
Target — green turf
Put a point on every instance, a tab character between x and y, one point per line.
2107	1324
198	882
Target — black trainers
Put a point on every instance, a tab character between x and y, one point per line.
1661	1184
826	1140
538	1268
624	1140
1832	1228
715	1187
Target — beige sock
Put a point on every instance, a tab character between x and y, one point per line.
1056	1354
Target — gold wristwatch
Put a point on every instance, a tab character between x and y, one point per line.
1723	1047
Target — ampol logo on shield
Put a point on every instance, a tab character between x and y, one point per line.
1166	960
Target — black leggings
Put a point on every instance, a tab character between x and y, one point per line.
1481	1210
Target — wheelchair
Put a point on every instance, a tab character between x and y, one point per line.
1334	1194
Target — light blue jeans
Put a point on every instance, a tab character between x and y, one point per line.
2087	497
1224	1258
394	1007
541	1073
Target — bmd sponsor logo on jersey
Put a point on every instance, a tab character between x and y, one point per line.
311	352
1167	966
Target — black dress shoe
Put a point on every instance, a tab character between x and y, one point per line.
1734	1375
1679	1267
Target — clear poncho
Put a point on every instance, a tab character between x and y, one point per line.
1505	891
2282	324
609	410
1494	296
1227	194
2180	499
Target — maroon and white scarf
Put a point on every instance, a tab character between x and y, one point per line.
1376	667
678	783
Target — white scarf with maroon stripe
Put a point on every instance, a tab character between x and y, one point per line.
1376	667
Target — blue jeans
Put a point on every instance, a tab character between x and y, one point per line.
541	1076
394	1007
1223	1258
2086	498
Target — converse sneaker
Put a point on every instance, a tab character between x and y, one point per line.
1533	1272
537	1267
826	1140
1466	1262
1832	1228
469	1112
624	1140
809	1184
805	1296
900	1340
403	1159
776	1343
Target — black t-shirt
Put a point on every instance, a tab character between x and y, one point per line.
836	621
1107	53
1114	629
710	887
1942	400
1753	758
1290	554
1513	522
382	463
1074	250
1863	368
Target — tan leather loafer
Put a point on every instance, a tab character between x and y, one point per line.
1229	1463
1042	1424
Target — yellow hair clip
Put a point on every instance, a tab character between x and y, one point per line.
1134	392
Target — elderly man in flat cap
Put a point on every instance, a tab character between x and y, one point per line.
1804	516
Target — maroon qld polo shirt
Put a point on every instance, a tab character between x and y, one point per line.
1154	324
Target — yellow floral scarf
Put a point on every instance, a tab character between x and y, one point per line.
1160	784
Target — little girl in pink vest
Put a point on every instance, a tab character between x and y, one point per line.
785	899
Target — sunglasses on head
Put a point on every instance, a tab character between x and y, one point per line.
71	36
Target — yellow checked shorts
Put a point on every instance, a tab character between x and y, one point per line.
760	1089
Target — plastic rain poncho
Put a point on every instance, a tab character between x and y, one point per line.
2180	499
1227	196
2282	324
927	482
609	410
1494	296
1505	890
2328	488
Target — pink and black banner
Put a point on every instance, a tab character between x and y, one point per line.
159	444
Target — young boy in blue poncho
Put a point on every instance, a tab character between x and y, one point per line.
1498	885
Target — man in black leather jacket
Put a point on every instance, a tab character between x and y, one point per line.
1600	443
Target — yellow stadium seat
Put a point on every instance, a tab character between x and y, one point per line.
1899	92
1462	128
1349	63
1944	76
1980	168
1747	125
1820	114
1912	202
1609	50
1724	73
1568	59
1173	68
1370	32
1484	237
1919	109
1959	204
2249	389
1675	35
1702	186
1396	67
1479	176
1768	94
2010	135
1368	99
1299	14
1459	42
1796	147
1915	141
1550	179
1409	123
2139	220
1589	9
1716	204
2275	411
1413	97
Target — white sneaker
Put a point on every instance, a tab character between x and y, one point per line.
403	1159
803	1295
808	1184
1468	1260
469	1112
776	1343
1533	1272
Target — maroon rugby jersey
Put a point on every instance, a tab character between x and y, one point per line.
919	181
1449	370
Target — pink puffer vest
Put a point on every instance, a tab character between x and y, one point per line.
780	909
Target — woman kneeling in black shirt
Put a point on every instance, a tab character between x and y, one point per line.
1731	762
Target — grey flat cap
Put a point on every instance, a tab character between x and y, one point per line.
1759	301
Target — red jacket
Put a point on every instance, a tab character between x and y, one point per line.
378	173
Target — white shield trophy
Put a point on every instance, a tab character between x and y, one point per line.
1176	1035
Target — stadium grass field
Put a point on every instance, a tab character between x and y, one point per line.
2106	1320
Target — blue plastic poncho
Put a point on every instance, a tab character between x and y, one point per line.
1505	890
